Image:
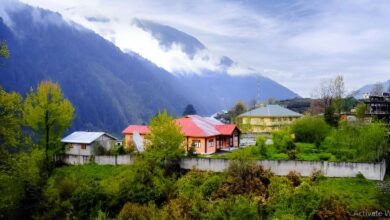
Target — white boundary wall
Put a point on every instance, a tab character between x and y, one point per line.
102	160
373	171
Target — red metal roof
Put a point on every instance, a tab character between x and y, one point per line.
226	129
142	129
192	126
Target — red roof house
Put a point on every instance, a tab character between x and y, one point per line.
206	135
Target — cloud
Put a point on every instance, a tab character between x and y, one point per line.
297	43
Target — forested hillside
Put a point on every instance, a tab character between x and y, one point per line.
108	88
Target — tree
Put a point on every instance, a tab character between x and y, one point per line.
189	110
331	90
166	139
360	111
49	114
237	110
377	89
10	118
4	52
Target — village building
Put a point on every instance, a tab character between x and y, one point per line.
378	106
85	143
266	119
205	134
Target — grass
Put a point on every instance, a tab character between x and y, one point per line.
306	151
355	193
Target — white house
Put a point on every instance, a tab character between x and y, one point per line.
84	143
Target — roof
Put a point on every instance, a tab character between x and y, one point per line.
141	129
271	111
84	137
226	129
193	126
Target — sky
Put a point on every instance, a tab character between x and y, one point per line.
296	43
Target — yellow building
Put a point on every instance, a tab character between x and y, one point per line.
266	119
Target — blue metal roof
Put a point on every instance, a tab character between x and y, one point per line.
271	111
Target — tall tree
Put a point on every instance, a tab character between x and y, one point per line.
377	89
360	110
189	110
10	118
237	110
49	114
331	92
165	139
4	52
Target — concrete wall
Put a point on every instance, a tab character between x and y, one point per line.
102	160
75	149
374	171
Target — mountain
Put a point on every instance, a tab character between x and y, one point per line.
358	94
216	89
108	88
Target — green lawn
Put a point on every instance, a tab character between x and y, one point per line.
306	151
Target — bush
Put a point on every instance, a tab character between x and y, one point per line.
295	178
310	130
359	142
316	176
99	149
139	211
281	139
244	177
234	207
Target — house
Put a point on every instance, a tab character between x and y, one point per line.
207	135
266	119
85	143
378	106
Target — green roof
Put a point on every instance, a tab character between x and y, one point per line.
271	111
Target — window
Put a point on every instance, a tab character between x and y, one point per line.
196	143
83	146
211	143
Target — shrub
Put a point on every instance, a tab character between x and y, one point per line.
234	207
295	178
99	149
244	177
310	130
281	139
316	176
139	211
332	208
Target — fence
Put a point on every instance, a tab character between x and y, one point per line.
373	171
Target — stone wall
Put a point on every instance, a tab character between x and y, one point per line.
103	160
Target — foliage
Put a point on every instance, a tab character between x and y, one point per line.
4	52
310	129
234	207
10	118
245	177
237	110
295	178
281	139
189	110
99	149
139	211
260	143
300	202
361	111
21	182
358	141
49	114
165	138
